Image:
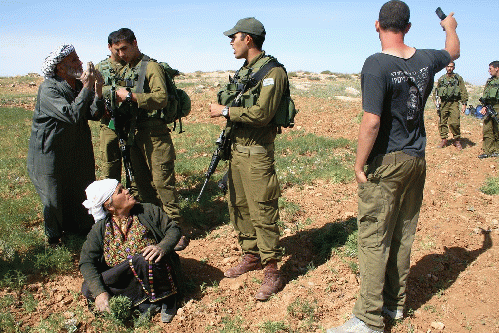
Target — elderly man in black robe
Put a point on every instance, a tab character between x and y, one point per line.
60	158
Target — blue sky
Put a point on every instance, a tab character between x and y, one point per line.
303	35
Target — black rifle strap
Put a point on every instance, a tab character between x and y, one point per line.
256	77
260	74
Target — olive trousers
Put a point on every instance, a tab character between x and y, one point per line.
110	152
389	204
490	134
450	119
253	200
153	161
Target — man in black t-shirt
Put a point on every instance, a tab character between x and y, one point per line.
395	86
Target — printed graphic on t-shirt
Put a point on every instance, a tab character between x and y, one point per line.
417	81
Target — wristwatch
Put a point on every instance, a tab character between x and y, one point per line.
225	112
129	97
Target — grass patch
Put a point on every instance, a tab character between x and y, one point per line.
232	325
491	186
302	309
303	157
334	236
274	327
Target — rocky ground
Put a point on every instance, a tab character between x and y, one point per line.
454	265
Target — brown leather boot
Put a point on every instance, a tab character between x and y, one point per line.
457	144
272	281
442	144
250	262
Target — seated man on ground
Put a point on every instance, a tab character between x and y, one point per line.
129	252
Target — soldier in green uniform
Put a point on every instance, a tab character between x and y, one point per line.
252	180
491	97
111	156
449	92
152	152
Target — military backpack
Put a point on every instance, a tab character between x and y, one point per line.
179	103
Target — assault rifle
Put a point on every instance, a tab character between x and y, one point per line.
117	124
222	152
490	110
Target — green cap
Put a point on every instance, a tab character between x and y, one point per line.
249	25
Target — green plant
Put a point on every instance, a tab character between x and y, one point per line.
302	309
29	302
333	237
121	307
54	260
491	186
14	280
274	327
232	325
6	301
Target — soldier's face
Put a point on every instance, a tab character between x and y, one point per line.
114	54
493	71
450	68
239	45
126	51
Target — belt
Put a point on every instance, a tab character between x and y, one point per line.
254	149
392	158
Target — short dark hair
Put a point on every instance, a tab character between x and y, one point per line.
123	34
394	16
111	37
494	64
257	40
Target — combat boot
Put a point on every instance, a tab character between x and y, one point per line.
442	144
249	262
272	281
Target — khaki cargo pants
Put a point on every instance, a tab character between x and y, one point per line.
389	204
253	195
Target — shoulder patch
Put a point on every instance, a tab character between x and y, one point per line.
268	82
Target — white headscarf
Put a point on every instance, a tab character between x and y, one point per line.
97	193
55	57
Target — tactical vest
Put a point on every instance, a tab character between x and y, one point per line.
491	91
448	88
286	112
242	76
129	79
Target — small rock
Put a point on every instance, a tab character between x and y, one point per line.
437	325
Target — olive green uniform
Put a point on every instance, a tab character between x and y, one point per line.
490	130
152	152
253	184
109	147
451	90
